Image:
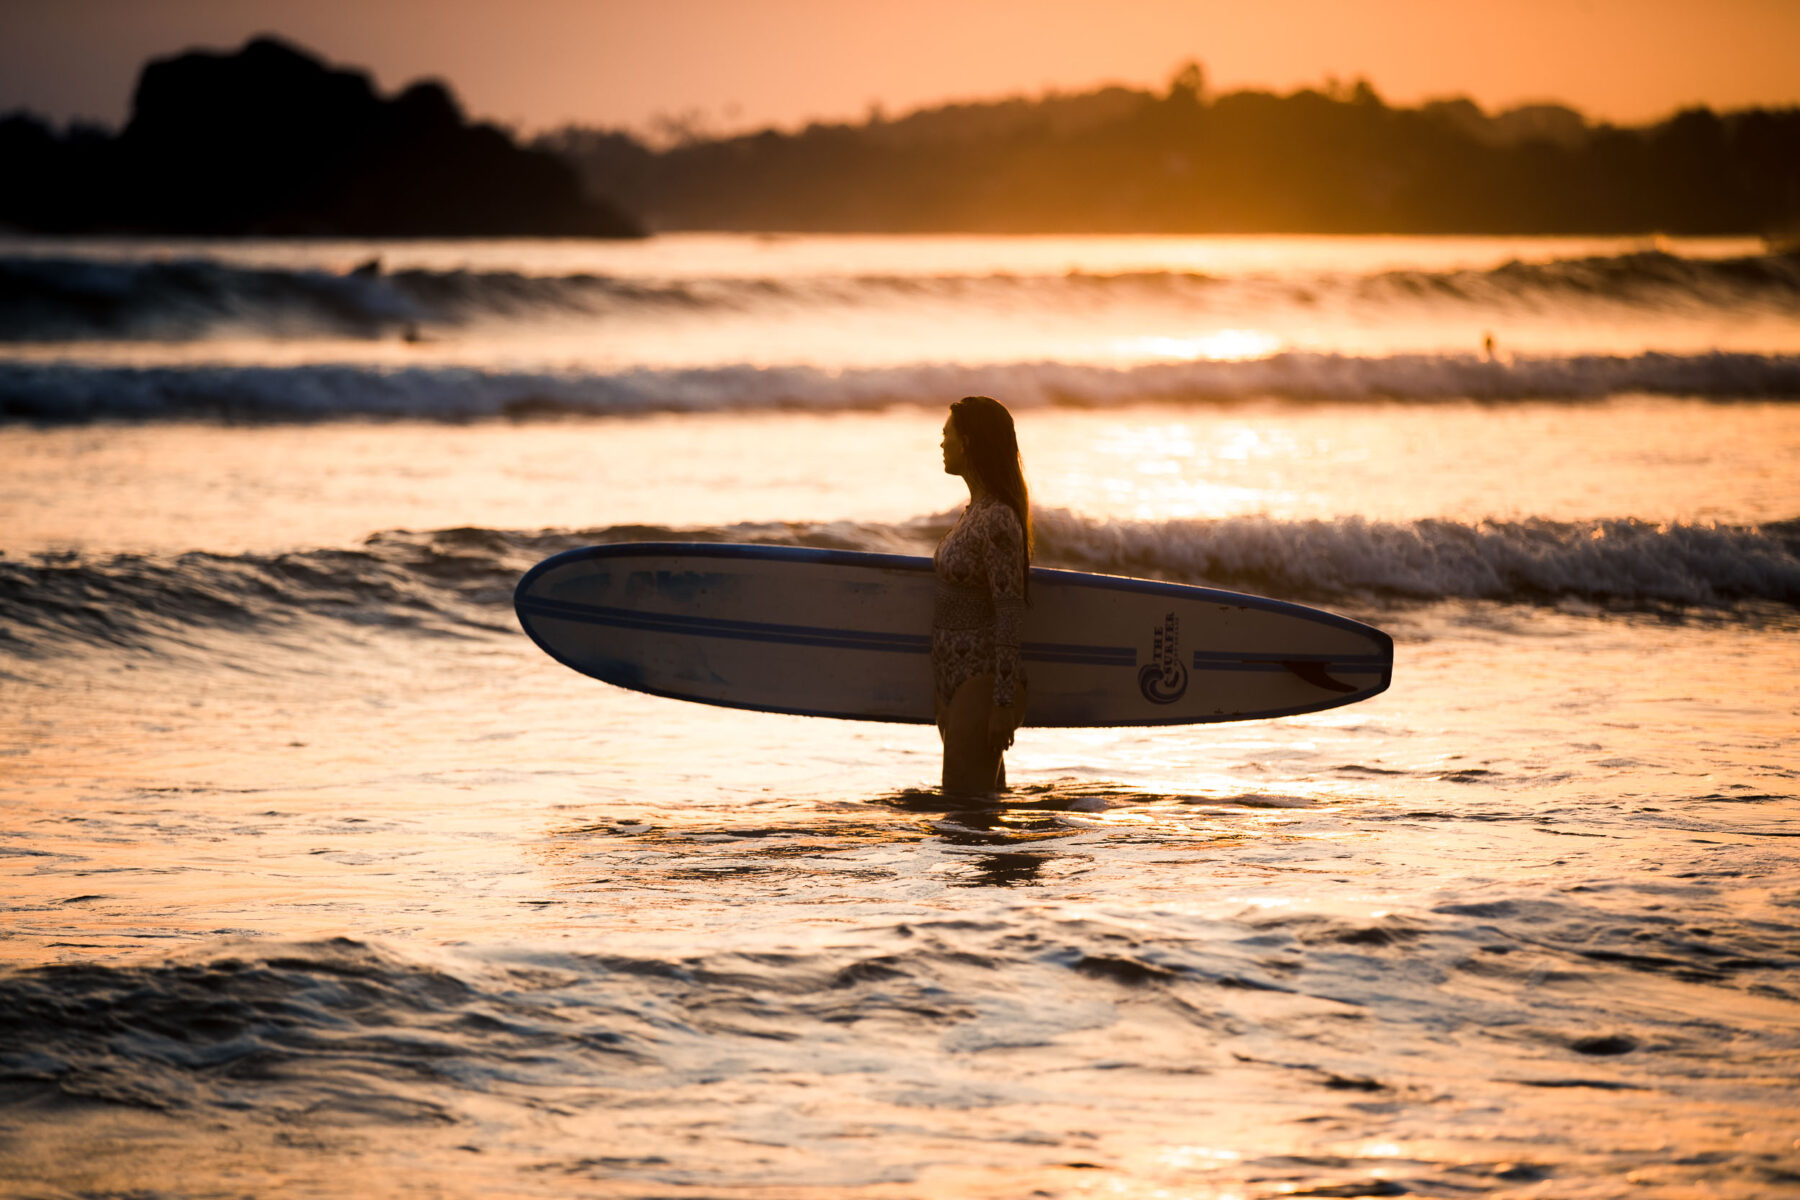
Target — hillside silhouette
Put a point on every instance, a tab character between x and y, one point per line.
1332	160
269	140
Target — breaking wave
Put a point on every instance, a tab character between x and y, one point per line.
71	392
1650	278
74	299
1621	561
458	582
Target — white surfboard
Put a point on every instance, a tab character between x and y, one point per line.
838	633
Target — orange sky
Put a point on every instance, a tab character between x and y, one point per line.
745	63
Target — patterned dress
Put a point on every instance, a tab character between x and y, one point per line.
980	601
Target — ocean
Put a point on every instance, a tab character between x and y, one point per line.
319	879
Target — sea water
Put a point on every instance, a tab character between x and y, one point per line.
319	879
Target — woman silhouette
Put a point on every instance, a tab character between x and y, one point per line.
983	567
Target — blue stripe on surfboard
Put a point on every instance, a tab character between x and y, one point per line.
1096	656
600	614
802	635
1326	665
911	643
754	631
1211	659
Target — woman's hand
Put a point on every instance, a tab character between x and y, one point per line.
1002	722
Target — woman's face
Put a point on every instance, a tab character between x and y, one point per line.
955	459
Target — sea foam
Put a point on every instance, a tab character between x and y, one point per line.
72	392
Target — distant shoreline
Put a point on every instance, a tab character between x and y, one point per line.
1124	161
270	141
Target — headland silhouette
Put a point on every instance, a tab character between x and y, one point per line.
269	140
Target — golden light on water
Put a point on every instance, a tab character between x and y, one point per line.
1197	1156
1222	345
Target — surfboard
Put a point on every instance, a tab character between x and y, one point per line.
841	633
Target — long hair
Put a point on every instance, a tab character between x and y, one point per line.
986	430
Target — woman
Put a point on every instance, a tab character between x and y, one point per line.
982	587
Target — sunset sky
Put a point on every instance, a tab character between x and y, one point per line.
750	63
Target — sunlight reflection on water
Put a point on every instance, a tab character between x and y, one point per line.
1224	345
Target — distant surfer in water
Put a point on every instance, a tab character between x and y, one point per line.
982	586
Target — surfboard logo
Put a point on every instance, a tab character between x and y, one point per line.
1164	680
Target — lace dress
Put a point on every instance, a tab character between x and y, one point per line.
980	568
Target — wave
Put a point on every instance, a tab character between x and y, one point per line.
1651	279
74	392
458	582
1620	561
449	583
299	1030
72	299
51	300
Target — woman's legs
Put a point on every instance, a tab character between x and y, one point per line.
973	761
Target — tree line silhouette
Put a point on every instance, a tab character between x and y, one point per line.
269	140
1331	160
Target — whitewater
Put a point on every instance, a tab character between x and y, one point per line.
319	879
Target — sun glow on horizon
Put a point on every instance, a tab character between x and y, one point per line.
744	67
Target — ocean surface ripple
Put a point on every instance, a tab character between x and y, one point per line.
923	1021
